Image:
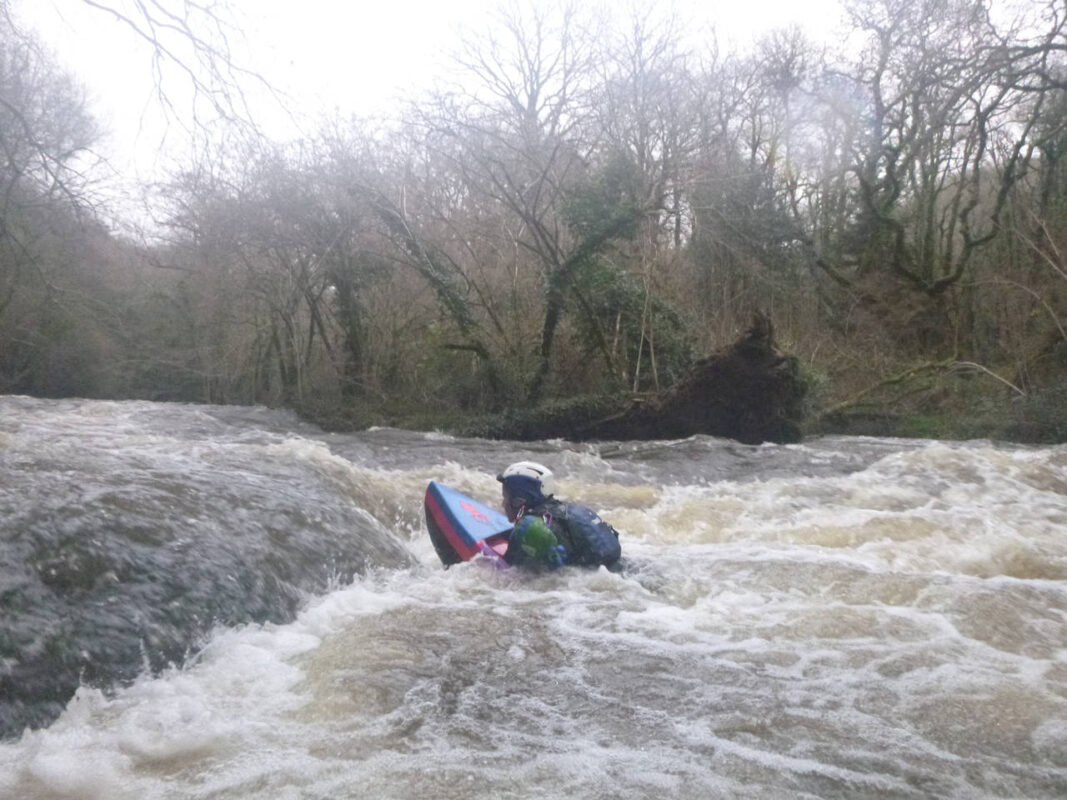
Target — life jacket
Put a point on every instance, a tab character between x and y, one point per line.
587	540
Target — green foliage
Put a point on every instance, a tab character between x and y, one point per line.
608	199
1039	417
627	329
451	376
956	405
816	382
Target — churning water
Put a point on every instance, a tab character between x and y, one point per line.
848	617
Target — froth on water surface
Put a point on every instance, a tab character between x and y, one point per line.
839	619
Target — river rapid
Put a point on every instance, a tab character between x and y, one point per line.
841	618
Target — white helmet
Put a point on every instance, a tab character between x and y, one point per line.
524	476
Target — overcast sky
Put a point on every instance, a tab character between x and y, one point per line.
327	56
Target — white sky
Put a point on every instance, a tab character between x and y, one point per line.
328	56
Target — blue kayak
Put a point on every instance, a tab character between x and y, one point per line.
462	527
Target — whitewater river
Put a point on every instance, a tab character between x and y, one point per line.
205	602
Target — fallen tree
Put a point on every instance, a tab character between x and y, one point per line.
749	391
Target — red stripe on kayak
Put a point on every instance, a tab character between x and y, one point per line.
454	539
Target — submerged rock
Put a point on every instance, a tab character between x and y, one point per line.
125	540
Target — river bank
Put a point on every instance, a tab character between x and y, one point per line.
754	392
1039	419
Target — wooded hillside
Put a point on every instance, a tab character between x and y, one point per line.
590	207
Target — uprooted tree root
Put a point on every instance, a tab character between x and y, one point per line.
749	391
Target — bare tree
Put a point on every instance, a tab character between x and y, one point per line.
46	168
946	137
518	136
192	55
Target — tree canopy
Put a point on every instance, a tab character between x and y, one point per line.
590	205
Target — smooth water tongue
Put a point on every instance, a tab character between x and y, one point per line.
844	618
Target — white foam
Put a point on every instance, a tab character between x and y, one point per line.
888	631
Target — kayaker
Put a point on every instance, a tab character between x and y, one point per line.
549	532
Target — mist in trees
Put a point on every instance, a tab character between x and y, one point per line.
588	202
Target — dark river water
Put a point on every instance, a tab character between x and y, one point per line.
207	602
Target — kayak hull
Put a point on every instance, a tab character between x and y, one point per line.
461	527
